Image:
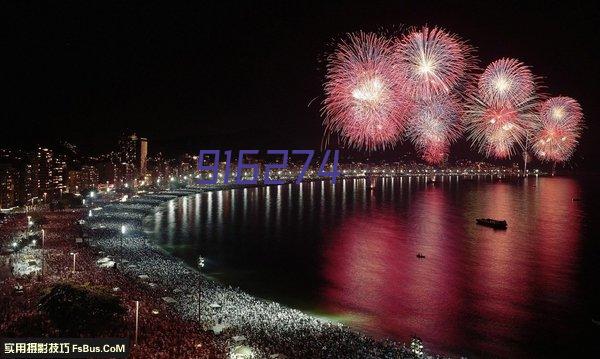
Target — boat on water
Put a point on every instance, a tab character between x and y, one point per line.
494	223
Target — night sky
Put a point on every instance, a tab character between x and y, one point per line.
241	75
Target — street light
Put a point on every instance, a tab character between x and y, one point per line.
43	242
137	315
29	223
123	232
74	254
200	266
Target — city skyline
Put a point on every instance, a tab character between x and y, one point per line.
163	97
271	179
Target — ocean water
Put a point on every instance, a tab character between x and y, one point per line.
348	252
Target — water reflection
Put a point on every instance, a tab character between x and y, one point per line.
351	250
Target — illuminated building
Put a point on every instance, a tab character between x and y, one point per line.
83	179
143	154
8	186
59	168
128	149
41	161
126	173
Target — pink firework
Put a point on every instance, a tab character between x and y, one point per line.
433	60
499	129
506	80
364	101
434	125
559	129
435	153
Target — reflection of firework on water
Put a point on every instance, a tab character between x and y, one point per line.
498	129
434	124
559	129
434	61
364	101
506	80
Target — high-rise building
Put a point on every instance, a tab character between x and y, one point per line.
143	163
107	172
126	173
41	161
59	175
25	185
8	186
27	189
89	177
159	167
83	179
128	149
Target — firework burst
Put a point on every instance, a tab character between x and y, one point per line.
502	112
364	101
433	60
498	129
435	153
559	129
434	125
506	80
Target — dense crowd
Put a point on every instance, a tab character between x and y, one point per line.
161	334
222	321
266	327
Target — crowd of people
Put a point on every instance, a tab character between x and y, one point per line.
213	320
267	327
162	334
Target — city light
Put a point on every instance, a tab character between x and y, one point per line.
412	190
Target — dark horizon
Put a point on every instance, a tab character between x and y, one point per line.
248	75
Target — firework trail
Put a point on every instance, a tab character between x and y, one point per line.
559	129
364	100
434	61
435	123
506	80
